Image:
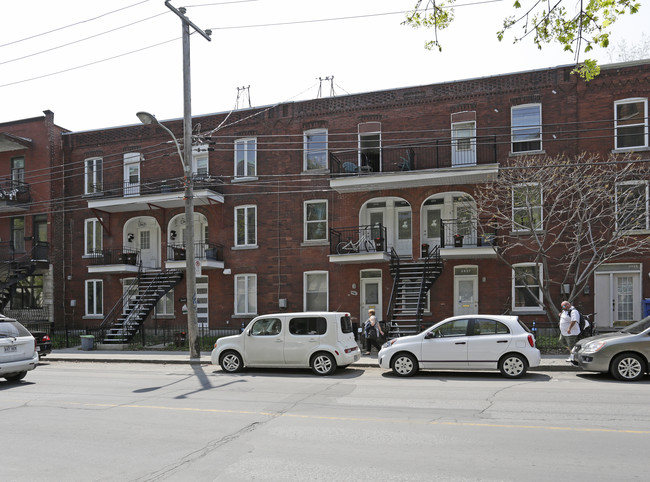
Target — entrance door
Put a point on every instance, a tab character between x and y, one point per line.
148	242
617	296
202	301
370	294
465	290
432	217
132	179
403	244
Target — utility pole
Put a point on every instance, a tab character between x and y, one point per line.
190	273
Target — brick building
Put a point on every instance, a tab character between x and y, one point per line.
324	204
31	193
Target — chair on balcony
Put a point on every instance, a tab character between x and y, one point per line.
350	167
408	163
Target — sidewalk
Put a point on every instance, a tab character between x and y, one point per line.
549	362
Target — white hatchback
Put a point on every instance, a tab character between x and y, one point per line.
470	342
320	340
18	352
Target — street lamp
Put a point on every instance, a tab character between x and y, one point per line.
190	273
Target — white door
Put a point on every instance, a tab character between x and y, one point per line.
377	222
132	179
617	298
448	347
202	301
148	246
431	230
465	290
264	343
370	295
403	244
463	142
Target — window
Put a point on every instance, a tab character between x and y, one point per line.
132	173
526	286
631	123
316	296
93	236
632	206
165	305
200	161
246	158
28	293
94	297
452	328
145	240
315	147
245	294
315	220
526	121
316	325
246	226
17	172
40	228
489	327
267	327
93	175
527	207
18	234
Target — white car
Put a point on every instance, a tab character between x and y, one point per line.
320	340
470	342
18	352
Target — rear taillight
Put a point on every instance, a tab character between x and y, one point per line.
350	350
531	341
46	338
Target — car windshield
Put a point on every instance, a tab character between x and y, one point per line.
638	327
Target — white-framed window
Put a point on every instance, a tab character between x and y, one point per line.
165	305
246	157
315	149
527	286
246	226
633	206
631	123
18	234
316	293
93	175
200	161
132	173
246	294
315	220
527	212
526	123
92	236
94	297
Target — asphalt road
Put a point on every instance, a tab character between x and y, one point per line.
101	421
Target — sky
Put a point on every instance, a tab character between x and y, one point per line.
95	64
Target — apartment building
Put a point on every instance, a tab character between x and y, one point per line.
343	203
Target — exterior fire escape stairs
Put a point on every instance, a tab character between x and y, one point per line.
136	304
14	270
412	280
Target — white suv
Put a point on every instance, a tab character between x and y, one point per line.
320	340
18	352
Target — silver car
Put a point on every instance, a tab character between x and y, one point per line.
624	353
18	352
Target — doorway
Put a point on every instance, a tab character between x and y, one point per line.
465	290
617	294
370	294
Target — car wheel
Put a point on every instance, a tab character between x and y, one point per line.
16	376
323	363
231	362
628	367
404	365
513	366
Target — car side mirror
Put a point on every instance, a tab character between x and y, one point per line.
429	335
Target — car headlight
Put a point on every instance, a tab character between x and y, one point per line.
593	346
389	343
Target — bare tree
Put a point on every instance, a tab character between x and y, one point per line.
566	216
624	52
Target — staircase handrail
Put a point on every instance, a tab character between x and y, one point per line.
394	268
432	259
116	311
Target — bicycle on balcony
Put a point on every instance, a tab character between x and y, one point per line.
363	244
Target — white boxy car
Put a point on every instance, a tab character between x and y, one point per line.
18	352
320	340
470	342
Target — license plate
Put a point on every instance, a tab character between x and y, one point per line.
38	348
11	348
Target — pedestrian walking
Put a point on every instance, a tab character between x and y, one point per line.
569	324
372	331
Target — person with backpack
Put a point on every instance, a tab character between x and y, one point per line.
372	332
569	324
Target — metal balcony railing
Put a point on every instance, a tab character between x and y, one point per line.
202	250
358	239
14	191
120	255
151	186
455	233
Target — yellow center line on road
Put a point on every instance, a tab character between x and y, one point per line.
364	419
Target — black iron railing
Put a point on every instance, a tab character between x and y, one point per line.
439	153
151	186
14	191
458	233
358	239
120	255
202	250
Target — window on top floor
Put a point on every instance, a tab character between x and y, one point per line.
526	124
631	123
17	172
246	157
200	161
93	175
315	149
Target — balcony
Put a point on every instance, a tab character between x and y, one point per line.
438	162
165	194
14	195
358	244
114	260
460	239
210	255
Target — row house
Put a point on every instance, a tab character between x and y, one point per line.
343	203
31	193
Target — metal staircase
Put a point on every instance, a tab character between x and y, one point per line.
412	280
13	270
137	303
